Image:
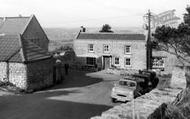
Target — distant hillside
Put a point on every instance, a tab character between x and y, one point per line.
64	36
61	34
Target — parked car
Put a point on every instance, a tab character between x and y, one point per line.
123	90
134	86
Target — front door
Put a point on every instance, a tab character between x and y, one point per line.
106	62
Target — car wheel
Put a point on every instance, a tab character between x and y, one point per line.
113	100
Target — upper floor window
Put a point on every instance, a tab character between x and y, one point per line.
127	49
116	60
106	48
90	47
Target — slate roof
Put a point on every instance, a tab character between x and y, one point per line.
113	36
15	49
9	45
13	25
32	52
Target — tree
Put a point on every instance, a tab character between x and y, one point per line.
106	28
176	41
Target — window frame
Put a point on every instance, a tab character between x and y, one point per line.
129	61
115	61
125	51
106	49
90	49
93	62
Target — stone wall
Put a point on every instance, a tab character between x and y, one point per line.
3	71
40	74
137	55
146	104
17	75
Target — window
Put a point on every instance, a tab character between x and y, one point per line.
90	47
127	61
116	60
127	49
90	61
158	62
106	48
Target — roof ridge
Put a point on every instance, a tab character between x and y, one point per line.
26	25
15	17
113	33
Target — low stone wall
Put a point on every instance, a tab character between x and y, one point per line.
144	105
40	74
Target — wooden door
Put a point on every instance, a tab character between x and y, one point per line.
106	62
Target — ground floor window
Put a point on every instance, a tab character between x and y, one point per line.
90	60
127	61
158	62
116	60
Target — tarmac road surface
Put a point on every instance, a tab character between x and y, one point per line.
81	96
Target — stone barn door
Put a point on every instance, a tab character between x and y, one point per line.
106	62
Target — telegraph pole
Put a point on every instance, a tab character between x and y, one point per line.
148	42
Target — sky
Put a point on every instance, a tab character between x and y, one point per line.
90	13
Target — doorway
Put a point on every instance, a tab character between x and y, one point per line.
106	62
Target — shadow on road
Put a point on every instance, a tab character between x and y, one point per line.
38	106
77	79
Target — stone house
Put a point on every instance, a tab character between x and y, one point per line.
126	51
24	58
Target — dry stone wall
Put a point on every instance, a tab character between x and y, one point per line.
146	104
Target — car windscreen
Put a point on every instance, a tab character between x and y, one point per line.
128	84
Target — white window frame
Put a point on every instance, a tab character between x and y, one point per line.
115	61
106	48
126	50
129	62
90	49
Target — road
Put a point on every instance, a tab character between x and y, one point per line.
80	96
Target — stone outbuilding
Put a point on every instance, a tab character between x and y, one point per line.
24	58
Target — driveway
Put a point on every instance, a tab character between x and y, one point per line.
80	96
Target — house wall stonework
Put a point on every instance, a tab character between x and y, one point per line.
137	55
40	74
3	71
17	75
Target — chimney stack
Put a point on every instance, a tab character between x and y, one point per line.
83	29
